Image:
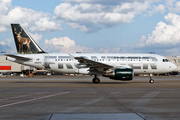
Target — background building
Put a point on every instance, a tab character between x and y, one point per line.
11	67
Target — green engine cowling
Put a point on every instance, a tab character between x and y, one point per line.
121	74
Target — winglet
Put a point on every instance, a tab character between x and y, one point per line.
72	57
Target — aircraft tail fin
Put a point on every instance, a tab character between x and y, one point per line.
25	44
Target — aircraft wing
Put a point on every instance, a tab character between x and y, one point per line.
18	57
91	63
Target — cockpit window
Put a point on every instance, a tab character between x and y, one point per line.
165	60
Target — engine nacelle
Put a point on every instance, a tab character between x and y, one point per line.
120	74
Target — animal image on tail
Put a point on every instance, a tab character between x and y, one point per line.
24	42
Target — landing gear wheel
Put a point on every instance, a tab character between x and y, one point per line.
96	80
151	81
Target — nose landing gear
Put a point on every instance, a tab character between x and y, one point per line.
151	80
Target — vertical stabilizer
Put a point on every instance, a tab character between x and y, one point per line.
24	42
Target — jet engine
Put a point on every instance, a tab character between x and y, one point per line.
120	74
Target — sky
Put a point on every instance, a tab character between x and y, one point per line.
94	26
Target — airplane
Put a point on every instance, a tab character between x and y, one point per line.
116	66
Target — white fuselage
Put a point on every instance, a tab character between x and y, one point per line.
64	63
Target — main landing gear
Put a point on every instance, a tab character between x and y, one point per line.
96	80
151	80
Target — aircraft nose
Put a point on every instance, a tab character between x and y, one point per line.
173	66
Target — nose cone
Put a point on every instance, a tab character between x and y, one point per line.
169	67
173	67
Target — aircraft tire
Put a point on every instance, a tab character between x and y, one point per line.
96	80
151	81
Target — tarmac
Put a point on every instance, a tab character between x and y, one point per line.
77	98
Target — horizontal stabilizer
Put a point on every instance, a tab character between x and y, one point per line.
18	57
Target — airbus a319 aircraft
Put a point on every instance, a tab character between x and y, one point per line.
116	66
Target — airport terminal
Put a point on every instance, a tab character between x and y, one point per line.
12	68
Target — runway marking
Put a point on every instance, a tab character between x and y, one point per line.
23	96
146	98
32	99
